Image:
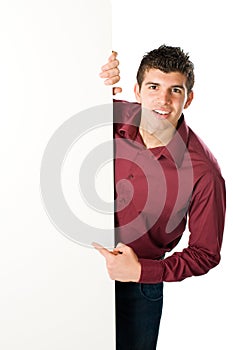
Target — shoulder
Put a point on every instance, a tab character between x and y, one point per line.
123	111
203	160
209	184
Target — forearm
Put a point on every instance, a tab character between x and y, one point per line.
190	262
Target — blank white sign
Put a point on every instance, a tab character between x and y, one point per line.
55	293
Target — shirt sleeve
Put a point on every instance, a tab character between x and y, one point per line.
206	225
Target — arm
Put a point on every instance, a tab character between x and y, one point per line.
206	224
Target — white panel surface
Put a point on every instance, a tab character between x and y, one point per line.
55	294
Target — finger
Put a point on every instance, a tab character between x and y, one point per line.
110	73
116	90
103	251
96	245
112	81
116	251
121	247
113	56
110	65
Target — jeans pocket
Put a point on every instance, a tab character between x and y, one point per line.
152	292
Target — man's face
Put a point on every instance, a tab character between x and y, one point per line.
163	96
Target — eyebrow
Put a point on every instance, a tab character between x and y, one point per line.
173	86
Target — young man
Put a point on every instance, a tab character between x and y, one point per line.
164	174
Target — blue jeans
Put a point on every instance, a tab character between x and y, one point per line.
138	314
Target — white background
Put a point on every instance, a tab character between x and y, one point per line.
197	311
54	293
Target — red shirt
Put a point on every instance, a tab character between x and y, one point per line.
157	190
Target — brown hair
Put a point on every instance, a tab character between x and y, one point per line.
167	59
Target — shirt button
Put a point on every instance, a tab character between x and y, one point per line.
130	176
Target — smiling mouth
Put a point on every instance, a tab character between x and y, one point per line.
161	114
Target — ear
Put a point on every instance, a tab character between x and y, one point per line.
189	100
137	93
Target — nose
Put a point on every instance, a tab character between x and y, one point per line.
163	98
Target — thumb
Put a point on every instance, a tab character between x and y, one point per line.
121	247
116	90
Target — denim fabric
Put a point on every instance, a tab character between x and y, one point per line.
138	314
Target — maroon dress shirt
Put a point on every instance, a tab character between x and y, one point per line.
158	190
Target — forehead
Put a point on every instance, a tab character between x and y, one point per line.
168	79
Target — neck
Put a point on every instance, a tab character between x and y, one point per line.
158	138
155	132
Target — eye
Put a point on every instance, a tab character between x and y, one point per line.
177	90
153	87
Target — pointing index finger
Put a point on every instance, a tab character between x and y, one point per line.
105	252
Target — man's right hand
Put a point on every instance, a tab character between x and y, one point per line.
111	73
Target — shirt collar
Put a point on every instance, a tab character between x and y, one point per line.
176	148
128	128
127	118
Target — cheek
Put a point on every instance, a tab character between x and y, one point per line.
148	98
144	100
181	104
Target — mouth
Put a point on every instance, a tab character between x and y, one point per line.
160	114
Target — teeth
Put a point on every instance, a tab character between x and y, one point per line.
160	112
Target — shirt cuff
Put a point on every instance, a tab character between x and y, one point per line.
152	271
